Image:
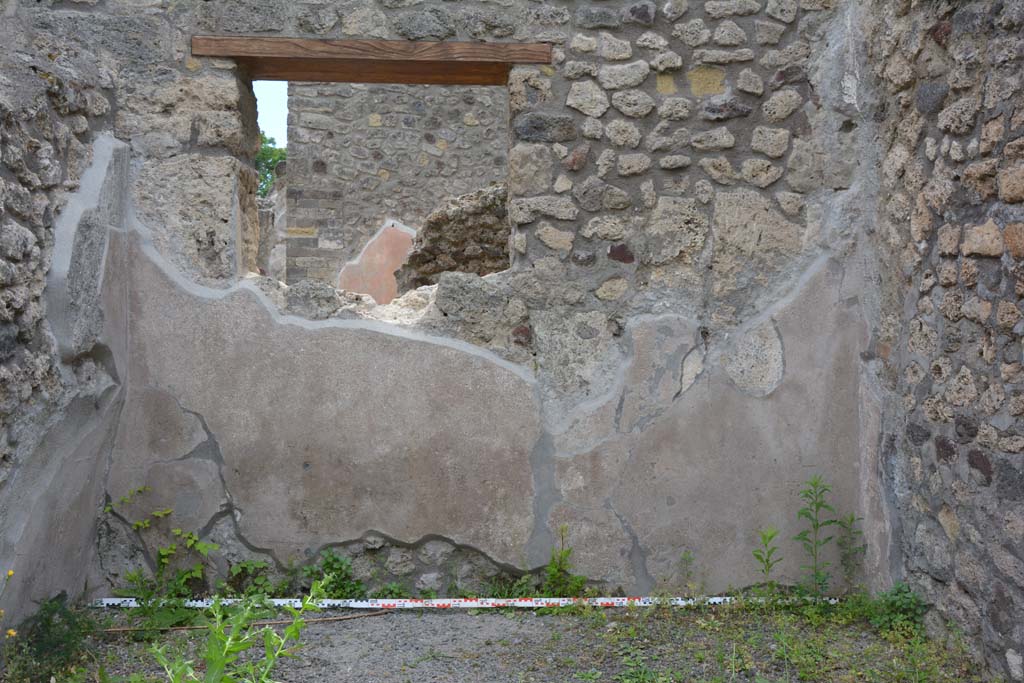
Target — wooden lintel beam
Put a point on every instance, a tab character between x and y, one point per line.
376	71
373	61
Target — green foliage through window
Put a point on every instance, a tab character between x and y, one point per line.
269	156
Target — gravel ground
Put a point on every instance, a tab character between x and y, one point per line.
442	647
615	646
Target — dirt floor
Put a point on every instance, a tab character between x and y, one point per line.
656	646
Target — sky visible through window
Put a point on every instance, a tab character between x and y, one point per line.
272	105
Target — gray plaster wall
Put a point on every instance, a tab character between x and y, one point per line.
360	155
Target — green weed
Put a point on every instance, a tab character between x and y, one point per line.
231	633
504	587
559	581
393	590
852	548
765	554
813	539
335	573
48	643
898	607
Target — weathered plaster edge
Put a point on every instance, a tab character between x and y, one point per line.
211	294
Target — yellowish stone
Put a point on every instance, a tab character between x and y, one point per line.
553	238
612	289
666	84
706	80
376	120
950	524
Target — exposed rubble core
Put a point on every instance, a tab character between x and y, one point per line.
468	234
751	240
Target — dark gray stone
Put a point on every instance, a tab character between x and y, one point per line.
590	193
945	449
794	73
981	464
640	13
432	24
1012	16
583	258
1009	480
546	15
966	428
597	17
930	96
538	126
8	340
724	107
917	434
483	25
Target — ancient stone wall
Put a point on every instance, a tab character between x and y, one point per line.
952	233
688	183
704	305
360	155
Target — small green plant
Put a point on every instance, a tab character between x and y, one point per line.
765	554
248	578
126	499
46	644
160	596
813	539
504	587
690	587
155	609
852	548
898	608
393	590
186	550
636	669
190	580
335	572
559	581
230	633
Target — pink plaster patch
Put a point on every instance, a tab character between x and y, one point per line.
373	272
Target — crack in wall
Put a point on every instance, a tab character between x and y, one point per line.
645	583
546	495
210	450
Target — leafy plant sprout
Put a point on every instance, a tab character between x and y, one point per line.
813	539
851	548
231	632
765	554
559	581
